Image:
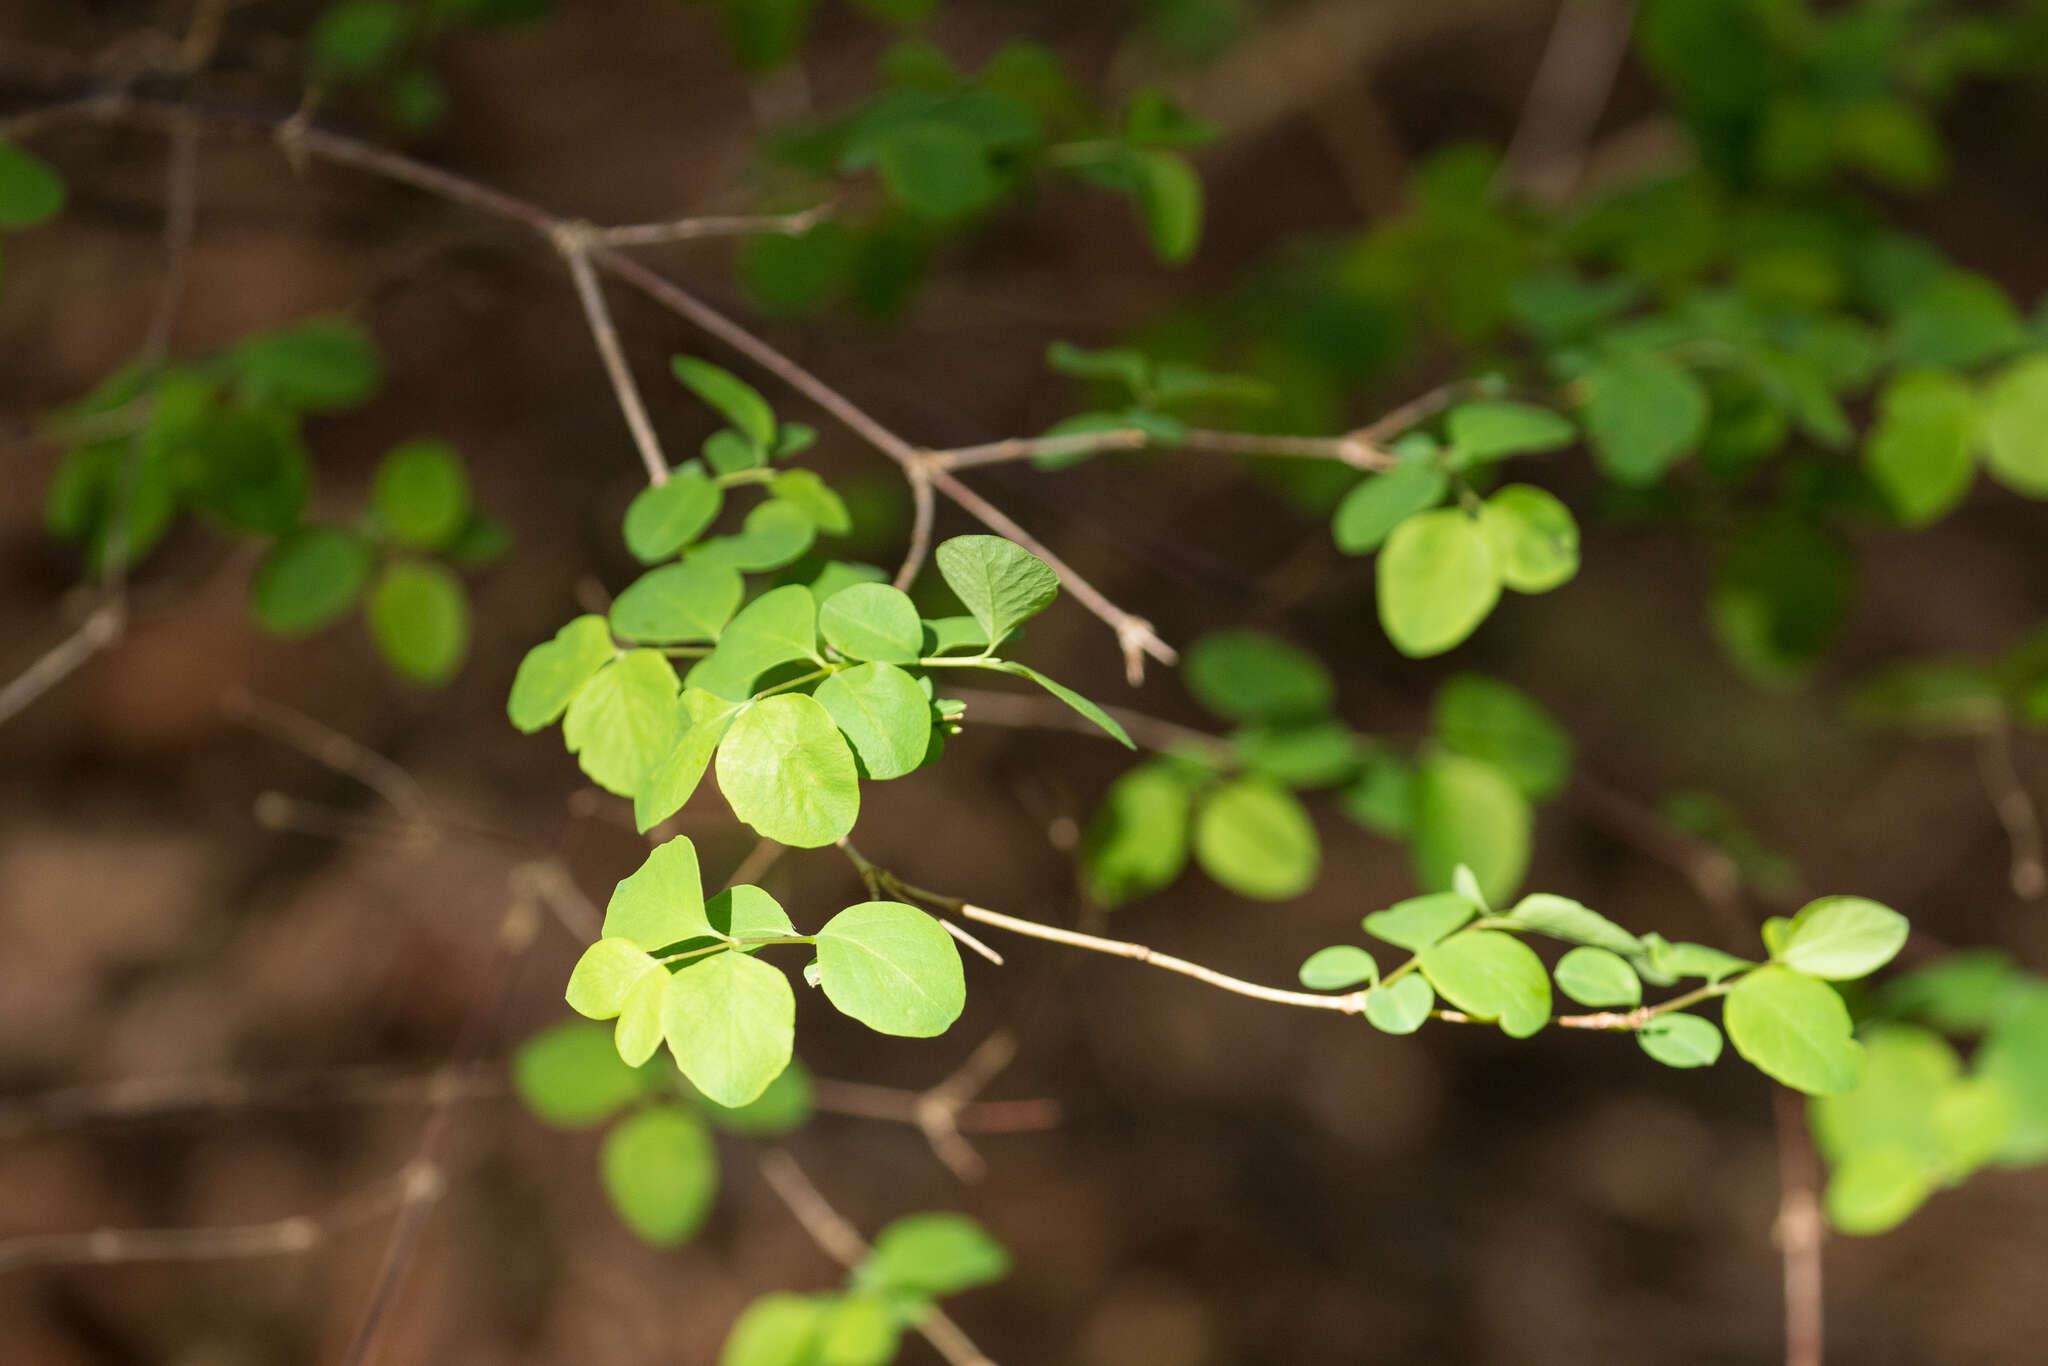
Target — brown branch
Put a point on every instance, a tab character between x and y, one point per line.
415	1187
330	748
573	240
945	1111
2016	812
1800	1230
1352	449
842	1242
1587	44
712	225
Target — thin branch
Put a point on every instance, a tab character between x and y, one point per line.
1029	711
714	225
1353	449
100	629
1800	1230
2016	812
922	512
1574	79
842	1242
573	240
946	1110
330	748
415	1187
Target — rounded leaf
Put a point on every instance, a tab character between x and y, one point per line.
1257	839
1437	581
872	621
623	720
663	518
1596	977
660	1172
786	770
730	1020
2016	427
676	603
1681	1040
1138	841
1534	538
1000	583
419	617
553	671
1842	937
934	1255
883	714
1400	1006
1492	975
1483	718
662	901
1338	968
309	580
572	1076
893	968
1468	811
1380	502
420	495
1251	676
1794	1028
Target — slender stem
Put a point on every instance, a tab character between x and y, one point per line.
575	248
712	225
2016	812
1800	1231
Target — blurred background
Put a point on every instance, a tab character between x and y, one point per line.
1227	1183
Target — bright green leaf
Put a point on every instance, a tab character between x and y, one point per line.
623	720
1919	450
1534	538
1419	921
571	1075
1595	977
787	771
1491	975
2015	431
1380	502
1339	967
1001	584
934	1255
884	715
670	780
661	902
419	617
1108	724
1401	1006
730	1020
660	1173
872	621
1491	429
675	603
1468	811
893	968
778	627
1794	1028
1873	1190
1437	581
808	494
1843	937
1257	839
736	400
1681	1040
663	518
1562	918
1138	841
554	670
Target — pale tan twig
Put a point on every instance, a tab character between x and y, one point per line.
574	242
842	1242
1351	450
1574	79
100	629
712	225
948	1109
2016	811
923	511
330	748
415	1187
1800	1230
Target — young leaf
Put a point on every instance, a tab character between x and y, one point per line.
736	400
779	626
1257	840
1001	584
1842	937
747	912
420	494
1644	414
775	534
1437	581
1339	967
1492	975
605	976
1919	450
662	901
1595	977
1794	1028
30	192
2015	418
1138	841
671	779
883	713
776	1330
860	1330
1562	918
1534	538
934	1255
1663	962
320	364
1483	718
1251	676
893	968
1419	921
1873	1190
1492	429
675	603
554	670
786	1105
1380	502
309	580
419	617
730	1020
570	1075
1107	723
808	494
1681	1040
639	1029
1170	201
1956	319
623	719
1467	811
787	771
663	518
872	621
660	1172
1401	1006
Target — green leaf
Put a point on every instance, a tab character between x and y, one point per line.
776	1330
1681	1040
2015	1054
1956	319
1491	975
936	170
1562	918
2015	431
660	1172
747	912
322	364
554	670
675	603
775	534
785	1106
1483	718
1794	1028
1905	1071
663	518
420	495
419	617
1107	723
1380	502
1467	811
893	968
934	1255
605	976
1401	1006
1383	797
1643	414
1001	584
872	621
1256	839
788	773
357	37
570	1075
736	400
1663	962
808	494
1782	590
1118	364
671	779
623	719
249	469
1534	538
31	192
1419	921
1919	450
1251	676
860	1330
309	580
638	1033
730	1020
1961	992
1595	977
1318	754
1138	841
727	452
1339	967
662	902
1437	582
1490	430
1842	937
1170	202
1873	1190
776	628
883	713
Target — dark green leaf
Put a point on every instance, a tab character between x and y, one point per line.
1250	676
31	192
309	580
1483	718
1643	414
1138	841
